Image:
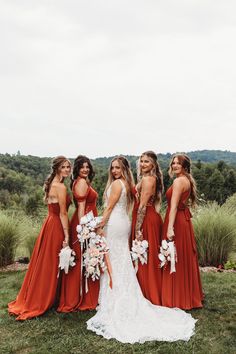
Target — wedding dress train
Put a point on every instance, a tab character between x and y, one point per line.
123	313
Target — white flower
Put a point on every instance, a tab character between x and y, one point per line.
79	229
145	243
161	257
93	224
164	244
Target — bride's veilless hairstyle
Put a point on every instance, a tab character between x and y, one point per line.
156	172
126	174
57	162
185	162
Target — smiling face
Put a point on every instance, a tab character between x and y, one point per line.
65	169
176	166
116	170
145	164
84	170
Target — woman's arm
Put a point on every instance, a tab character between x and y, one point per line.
147	188
61	196
116	189
81	189
178	188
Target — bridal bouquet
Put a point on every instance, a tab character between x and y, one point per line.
168	254
66	259
94	257
87	227
94	249
139	252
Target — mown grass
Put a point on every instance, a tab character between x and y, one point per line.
67	333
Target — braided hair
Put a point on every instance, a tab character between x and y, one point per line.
156	172
57	162
185	162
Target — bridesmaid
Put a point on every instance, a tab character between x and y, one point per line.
182	289
39	288
73	296
147	223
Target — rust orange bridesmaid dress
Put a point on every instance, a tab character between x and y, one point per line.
73	296
39	288
183	288
149	275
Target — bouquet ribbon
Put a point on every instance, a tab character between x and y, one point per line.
172	257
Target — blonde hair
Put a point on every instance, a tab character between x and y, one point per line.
156	172
126	174
185	162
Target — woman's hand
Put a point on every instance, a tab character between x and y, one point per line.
139	235
100	231
65	243
170	233
101	224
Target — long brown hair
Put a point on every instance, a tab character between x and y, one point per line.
126	174
156	172
56	164
78	164
185	162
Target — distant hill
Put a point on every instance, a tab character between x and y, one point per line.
38	167
209	156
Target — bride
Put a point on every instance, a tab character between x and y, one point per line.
123	313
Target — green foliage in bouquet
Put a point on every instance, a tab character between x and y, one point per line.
215	231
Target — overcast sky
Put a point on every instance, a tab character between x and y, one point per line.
108	77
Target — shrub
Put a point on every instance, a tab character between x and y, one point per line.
8	239
215	231
230	204
28	229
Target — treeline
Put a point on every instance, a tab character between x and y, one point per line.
22	177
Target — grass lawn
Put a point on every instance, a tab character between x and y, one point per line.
66	333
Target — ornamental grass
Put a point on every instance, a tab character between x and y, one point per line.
215	231
8	239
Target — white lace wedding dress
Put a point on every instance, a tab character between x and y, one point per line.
123	313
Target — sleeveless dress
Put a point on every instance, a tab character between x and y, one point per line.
183	288
73	296
149	275
39	289
123	313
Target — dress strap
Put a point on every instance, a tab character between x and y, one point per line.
123	185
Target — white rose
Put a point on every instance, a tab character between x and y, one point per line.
161	257
145	243
164	244
79	229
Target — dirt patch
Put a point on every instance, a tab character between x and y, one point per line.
14	267
216	270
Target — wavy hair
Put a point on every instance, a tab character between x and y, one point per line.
185	162
57	162
78	164
126	174
156	172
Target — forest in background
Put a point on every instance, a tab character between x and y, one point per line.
22	177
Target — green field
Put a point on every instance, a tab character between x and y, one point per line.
66	333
